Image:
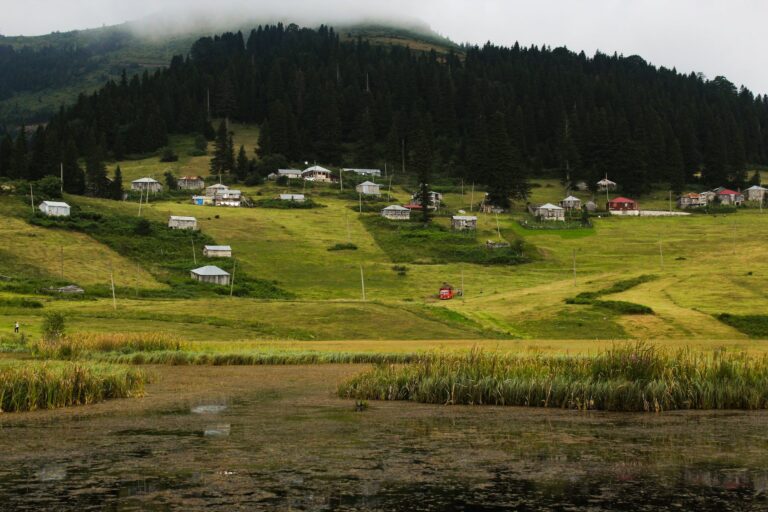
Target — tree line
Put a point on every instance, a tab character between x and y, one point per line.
491	114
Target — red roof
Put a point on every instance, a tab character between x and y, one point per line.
413	206
727	192
622	200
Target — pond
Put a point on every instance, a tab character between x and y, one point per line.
276	438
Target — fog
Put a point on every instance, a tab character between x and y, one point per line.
709	36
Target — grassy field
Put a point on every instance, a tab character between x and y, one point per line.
704	265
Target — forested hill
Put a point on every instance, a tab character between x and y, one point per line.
488	113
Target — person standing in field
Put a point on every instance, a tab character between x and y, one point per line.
16	327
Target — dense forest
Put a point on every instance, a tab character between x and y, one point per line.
492	114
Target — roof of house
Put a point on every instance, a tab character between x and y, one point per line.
210	270
396	207
368	184
55	204
464	217
145	180
288	171
218	248
291	196
622	200
362	171
548	206
189	178
232	191
181	217
757	187
606	181
316	168
571	198
218	186
727	192
691	195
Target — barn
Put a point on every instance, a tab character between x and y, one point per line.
622	204
396	212
190	183
179	222
571	203
217	251
368	188
147	185
55	209
463	222
210	274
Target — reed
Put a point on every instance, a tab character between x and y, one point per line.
34	385
633	377
76	346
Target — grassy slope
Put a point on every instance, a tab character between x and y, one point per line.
702	275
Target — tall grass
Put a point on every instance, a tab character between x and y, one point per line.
253	358
635	377
77	345
35	385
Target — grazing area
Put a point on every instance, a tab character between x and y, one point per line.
635	377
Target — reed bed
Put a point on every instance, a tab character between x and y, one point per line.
634	377
34	385
77	346
253	358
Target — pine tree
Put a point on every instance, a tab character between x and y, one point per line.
242	167
220	150
677	169
420	161
6	157
19	168
74	177
116	186
504	172
97	184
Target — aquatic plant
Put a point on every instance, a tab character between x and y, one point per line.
34	385
632	377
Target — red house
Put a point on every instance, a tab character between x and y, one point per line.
622	204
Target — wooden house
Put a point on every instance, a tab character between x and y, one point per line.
368	188
217	251
621	204
210	274
55	209
299	198
190	183
730	197
364	172
547	211
691	200
179	222
317	173
463	222
755	193
606	184
396	212
149	185
571	203
215	189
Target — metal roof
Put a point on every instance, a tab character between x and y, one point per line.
145	180
571	198
548	206
396	207
181	217
218	186
291	196
210	270
218	248
288	171
757	187
55	204
464	217
369	183
362	171
316	168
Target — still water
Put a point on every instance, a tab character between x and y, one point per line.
276	438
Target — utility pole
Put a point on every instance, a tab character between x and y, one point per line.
232	281
62	262
112	282
360	198
389	189
661	254
462	192
472	198
362	281
141	194
402	151
462	283
61	168
349	233
497	226
341	179
194	256
32	199
574	266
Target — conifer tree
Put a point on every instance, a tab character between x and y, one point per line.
97	184
116	186
504	171
6	158
220	149
242	167
19	168
74	177
420	161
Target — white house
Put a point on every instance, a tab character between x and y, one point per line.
190	183
396	212
463	222
435	198
228	197
146	185
606	184
215	189
364	172
571	203
179	222
317	173
210	274
691	200
291	174
55	208
368	188
548	211
299	198
755	193
217	251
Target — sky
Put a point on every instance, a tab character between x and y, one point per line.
714	37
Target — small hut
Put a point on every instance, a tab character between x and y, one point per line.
190	183
210	274
368	188
396	212
463	222
548	211
299	198
606	185
55	209
217	251
435	198
179	222
202	200
621	204
755	193
571	203
147	185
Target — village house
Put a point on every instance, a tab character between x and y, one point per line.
217	251
179	222
435	198
755	193
606	184
708	196
368	188
622	206
291	174
317	173
210	274
299	198
730	197
55	209
228	197
147	185
202	200
571	203
463	222
691	200
190	183
364	172
396	212
547	211
215	189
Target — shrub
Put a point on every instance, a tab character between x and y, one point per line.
343	247
53	326
168	155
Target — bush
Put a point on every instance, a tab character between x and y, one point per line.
343	247
15	302
53	326
168	155
143	227
754	326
